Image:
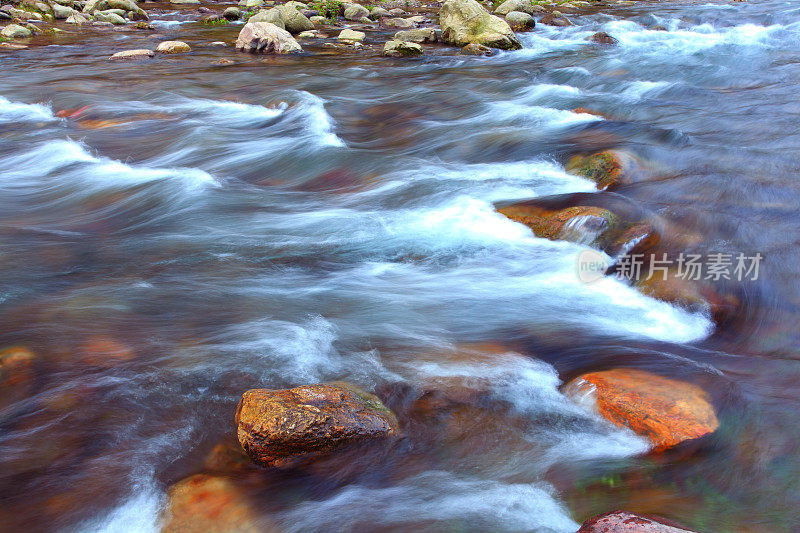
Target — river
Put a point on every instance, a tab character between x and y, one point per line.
280	221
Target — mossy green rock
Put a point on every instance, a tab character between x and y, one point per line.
466	22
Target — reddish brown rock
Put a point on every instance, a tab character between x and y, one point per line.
602	37
625	522
104	351
17	374
666	411
592	225
552	19
588	111
282	427
609	169
211	504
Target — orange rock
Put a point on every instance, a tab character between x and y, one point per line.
17	374
666	411
691	294
281	427
104	351
211	504
229	459
625	522
587	111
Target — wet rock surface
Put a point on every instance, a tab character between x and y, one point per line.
278	427
625	522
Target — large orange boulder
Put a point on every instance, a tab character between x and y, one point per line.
211	504
666	411
281	427
625	522
17	375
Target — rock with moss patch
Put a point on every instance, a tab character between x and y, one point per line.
465	21
378	13
293	20
474	49
290	426
608	169
15	31
520	21
112	18
354	11
173	47
232	13
62	12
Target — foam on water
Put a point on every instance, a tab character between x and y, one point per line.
444	498
18	112
75	164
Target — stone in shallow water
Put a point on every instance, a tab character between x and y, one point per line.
351	35
625	522
173	47
15	31
266	38
520	21
602	37
666	411
466	21
609	169
133	54
281	427
17	375
396	48
206	503
421	35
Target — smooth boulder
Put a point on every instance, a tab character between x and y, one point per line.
173	47
625	522
352	36
421	35
272	16
525	6
293	20
520	21
355	11
283	427
466	22
609	169
267	38
232	13
395	48
602	37
15	31
666	411
141	53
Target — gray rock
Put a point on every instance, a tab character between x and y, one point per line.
351	35
15	31
232	13
517	5
318	19
421	35
251	3
62	12
173	47
77	18
104	16
379	12
397	12
266	38
133	54
272	16
293	20
355	11
466	21
520	21
395	48
398	23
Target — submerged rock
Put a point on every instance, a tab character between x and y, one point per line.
666	411
266	38
552	19
395	48
17	375
281	427
694	295
520	21
173	47
474	49
608	169
206	503
625	522
467	22
602	37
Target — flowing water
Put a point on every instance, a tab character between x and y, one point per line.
201	229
